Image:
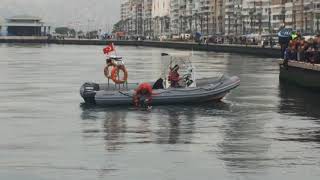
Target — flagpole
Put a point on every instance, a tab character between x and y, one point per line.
115	51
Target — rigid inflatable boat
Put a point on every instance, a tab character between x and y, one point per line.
190	90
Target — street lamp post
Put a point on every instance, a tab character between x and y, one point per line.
283	14
251	19
195	21
180	29
201	23
244	27
269	25
260	22
89	34
168	23
190	23
237	14
312	22
294	19
235	22
207	19
306	24
194	15
318	17
228	24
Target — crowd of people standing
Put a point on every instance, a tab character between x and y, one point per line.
301	49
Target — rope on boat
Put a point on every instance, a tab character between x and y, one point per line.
177	89
125	94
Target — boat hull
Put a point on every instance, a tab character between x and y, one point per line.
300	75
210	89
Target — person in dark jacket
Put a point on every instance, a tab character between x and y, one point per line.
290	54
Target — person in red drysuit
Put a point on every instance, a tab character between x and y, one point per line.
174	77
144	90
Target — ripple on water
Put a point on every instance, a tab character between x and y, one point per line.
264	129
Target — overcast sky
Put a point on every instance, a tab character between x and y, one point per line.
73	13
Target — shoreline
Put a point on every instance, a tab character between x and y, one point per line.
227	48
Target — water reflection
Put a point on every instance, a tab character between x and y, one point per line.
163	125
244	148
258	128
299	101
176	125
113	127
24	45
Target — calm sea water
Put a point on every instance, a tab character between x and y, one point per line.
262	130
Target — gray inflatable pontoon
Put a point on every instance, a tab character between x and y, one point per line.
207	89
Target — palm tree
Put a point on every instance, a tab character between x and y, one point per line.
260	22
251	19
318	17
180	29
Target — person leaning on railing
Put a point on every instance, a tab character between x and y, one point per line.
301	50
290	53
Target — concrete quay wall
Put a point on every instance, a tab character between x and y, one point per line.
228	48
23	39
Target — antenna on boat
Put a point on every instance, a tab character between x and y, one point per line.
115	51
192	52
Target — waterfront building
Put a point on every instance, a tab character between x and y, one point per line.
136	17
283	15
248	17
206	16
125	21
131	13
219	16
147	18
256	17
234	17
175	17
311	16
26	26
172	17
191	7
161	18
124	15
301	15
190	16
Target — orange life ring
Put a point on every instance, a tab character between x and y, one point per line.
107	71
114	74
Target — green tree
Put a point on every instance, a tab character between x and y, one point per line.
65	31
62	30
72	32
117	27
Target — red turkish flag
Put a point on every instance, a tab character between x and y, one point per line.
108	49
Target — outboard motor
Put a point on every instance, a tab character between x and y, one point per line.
88	92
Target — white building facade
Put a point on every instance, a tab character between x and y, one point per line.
170	18
147	18
161	18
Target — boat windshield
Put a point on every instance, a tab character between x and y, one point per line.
172	62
